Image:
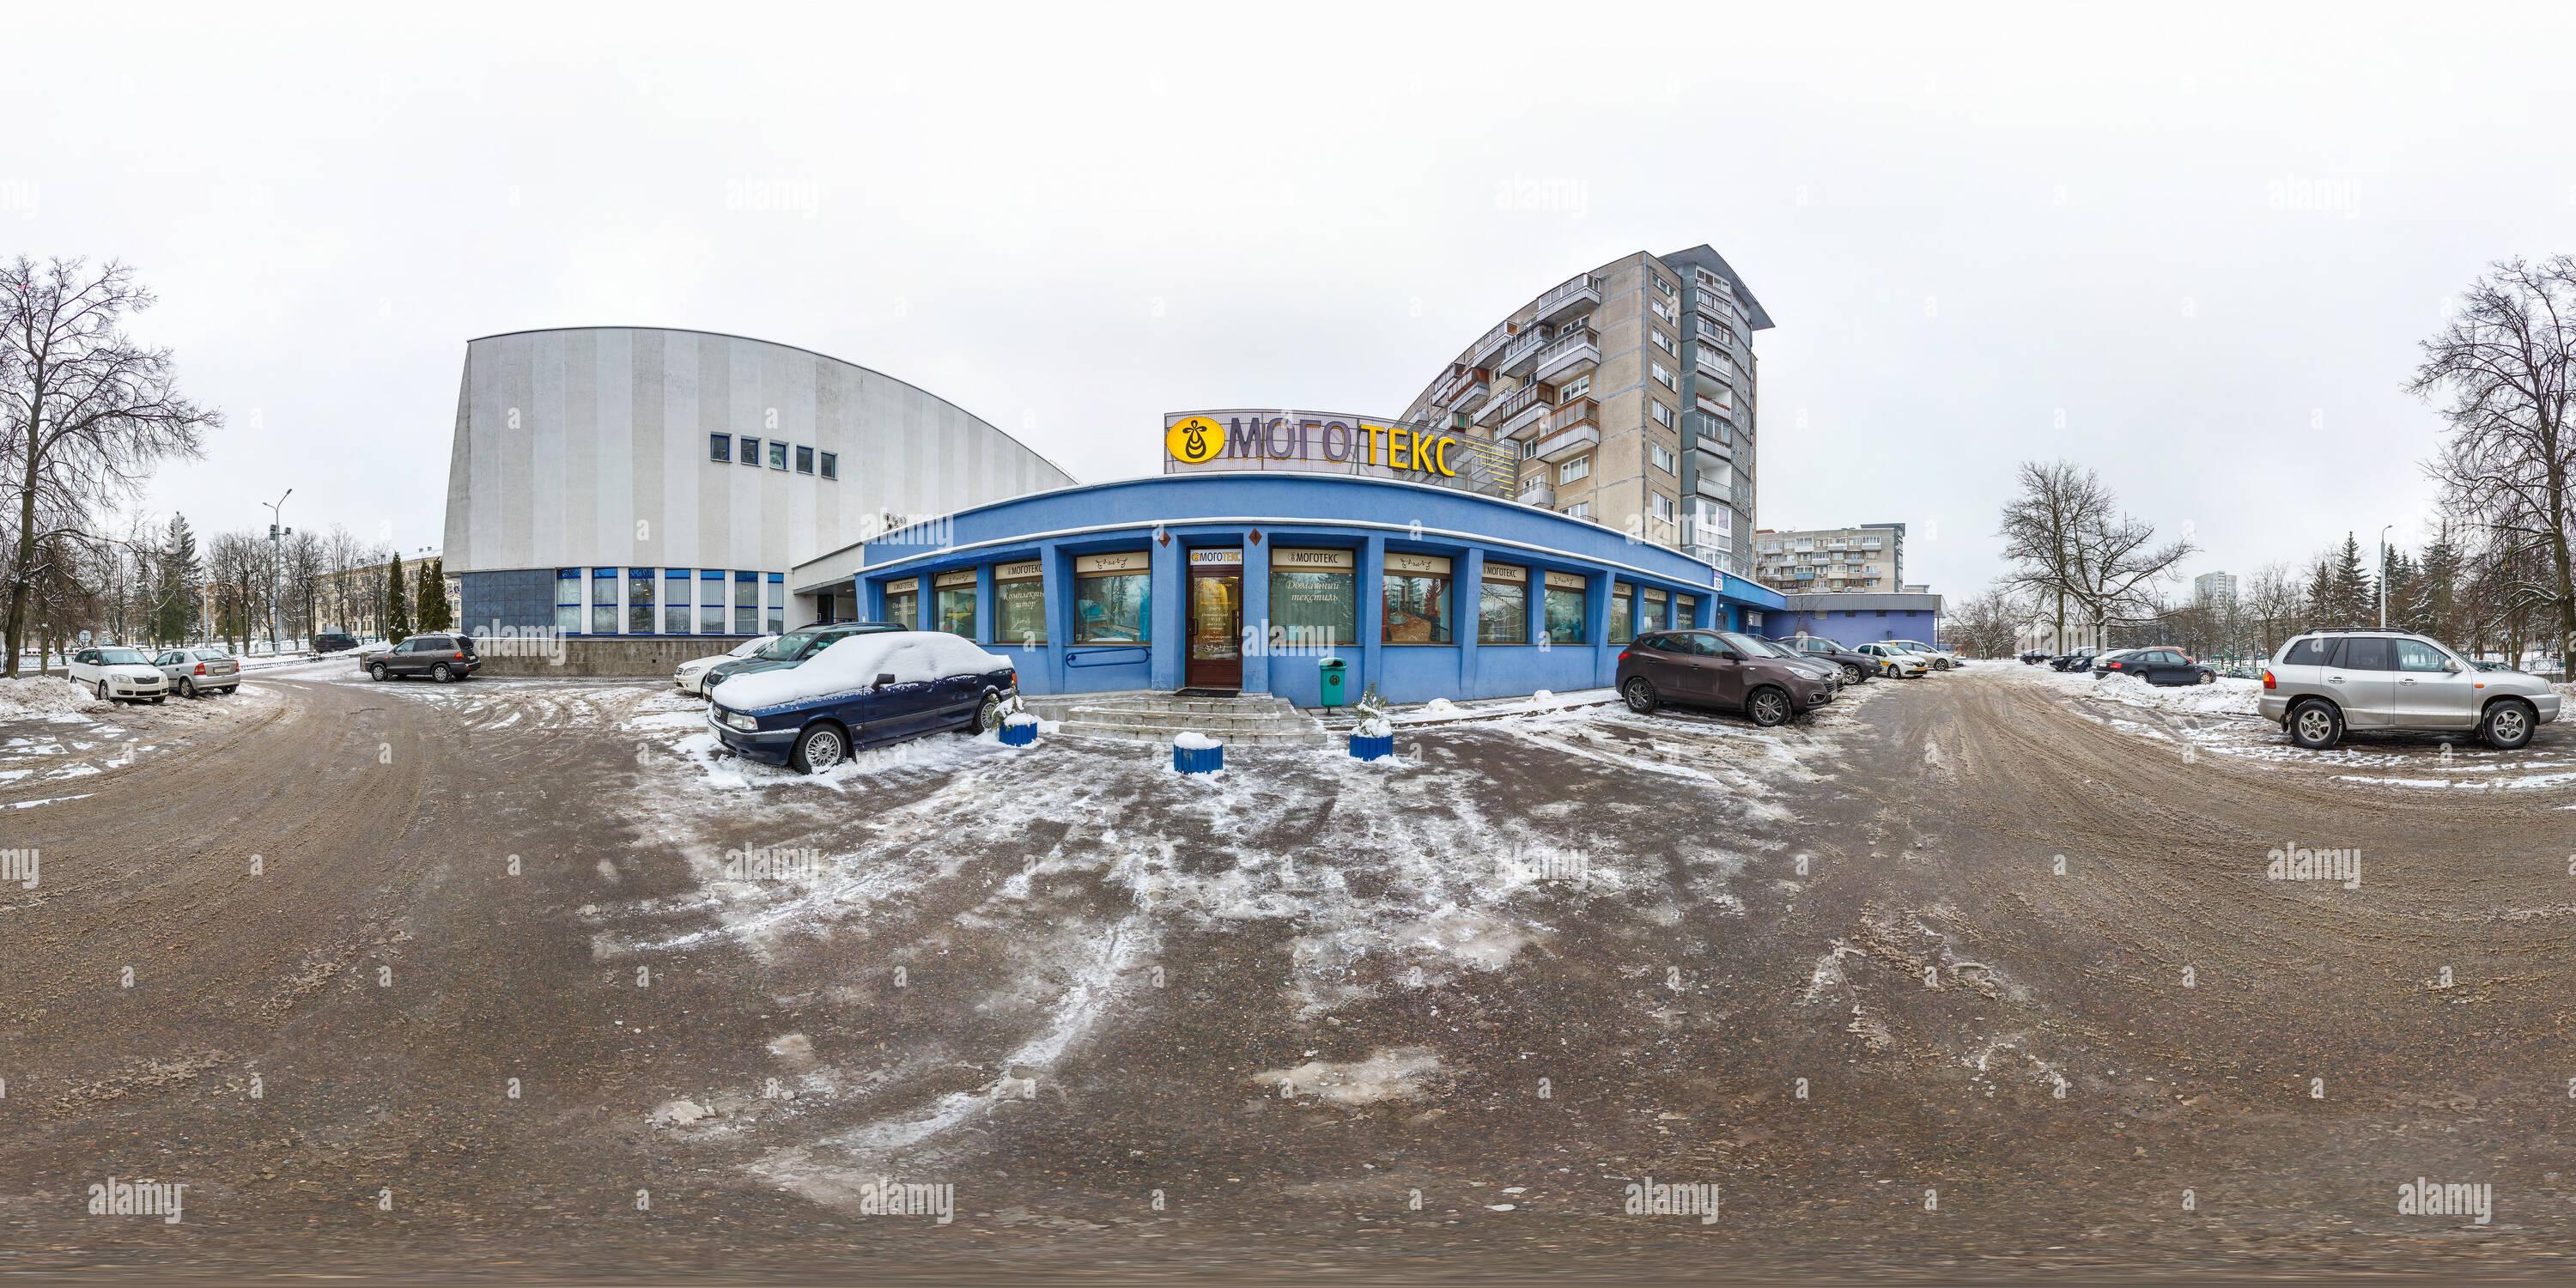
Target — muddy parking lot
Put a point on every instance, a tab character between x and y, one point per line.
1990	971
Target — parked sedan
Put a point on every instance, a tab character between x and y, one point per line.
1941	659
1893	660
334	642
866	688
2078	660
2034	657
1716	669
118	674
789	650
191	671
692	675
2155	666
1857	668
440	657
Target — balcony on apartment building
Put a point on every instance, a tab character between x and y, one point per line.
1516	411
1707	485
1571	429
1578	295
1571	353
1487	343
1463	388
1713	361
1522	353
1537	493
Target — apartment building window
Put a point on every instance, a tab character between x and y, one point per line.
1662	506
1578	468
1529	448
720	448
1662	341
804	460
1578	510
831	465
1663	458
1661	309
1667	287
777	455
1663	375
750	451
1573	389
1663	414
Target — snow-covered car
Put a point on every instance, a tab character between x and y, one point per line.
878	687
692	675
191	671
1939	659
117	674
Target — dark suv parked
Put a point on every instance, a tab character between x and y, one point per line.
334	642
440	657
1856	667
1712	669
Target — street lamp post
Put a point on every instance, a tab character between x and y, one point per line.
2383	575
276	511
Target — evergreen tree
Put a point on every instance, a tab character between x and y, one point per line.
431	597
177	573
2442	567
2356	601
2320	598
397	610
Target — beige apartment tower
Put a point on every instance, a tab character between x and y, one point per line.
1627	394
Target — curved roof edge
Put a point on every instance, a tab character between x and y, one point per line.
781	344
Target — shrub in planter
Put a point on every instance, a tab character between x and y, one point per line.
1373	739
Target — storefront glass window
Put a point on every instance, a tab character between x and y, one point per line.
1564	609
1416	600
603	601
568	601
903	608
675	601
1114	608
777	615
1502	613
954	609
711	601
1623	622
1316	609
639	601
746	603
1019	604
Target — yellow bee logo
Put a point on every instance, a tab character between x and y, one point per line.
1194	440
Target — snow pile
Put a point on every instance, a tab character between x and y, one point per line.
854	664
45	697
2227	697
1440	707
1021	720
1193	740
1544	701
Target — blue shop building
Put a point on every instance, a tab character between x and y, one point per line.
1249	580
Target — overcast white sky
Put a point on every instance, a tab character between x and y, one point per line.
2204	243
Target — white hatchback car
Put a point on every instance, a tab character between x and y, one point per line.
1895	661
118	674
1941	659
692	675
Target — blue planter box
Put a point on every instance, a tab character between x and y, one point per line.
1019	735
1206	761
1372	748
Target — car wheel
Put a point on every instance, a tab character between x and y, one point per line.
1767	706
819	748
2509	725
441	674
2209	677
2316	725
102	692
988	714
377	669
1852	674
1641	696
187	688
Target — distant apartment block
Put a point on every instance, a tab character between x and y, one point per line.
1870	557
1627	395
2213	588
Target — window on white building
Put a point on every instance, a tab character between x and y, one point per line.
1579	467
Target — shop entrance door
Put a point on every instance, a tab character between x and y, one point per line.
1216	619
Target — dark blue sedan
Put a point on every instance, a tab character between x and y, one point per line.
814	734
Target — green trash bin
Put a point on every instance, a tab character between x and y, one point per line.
1332	668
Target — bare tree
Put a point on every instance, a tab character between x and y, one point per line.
1986	625
2272	607
2070	544
2504	375
84	412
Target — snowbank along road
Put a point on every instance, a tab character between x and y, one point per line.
523	978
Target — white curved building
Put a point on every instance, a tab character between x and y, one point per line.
640	481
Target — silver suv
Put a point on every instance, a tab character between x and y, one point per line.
2328	681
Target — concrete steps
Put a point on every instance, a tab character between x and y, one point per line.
1252	720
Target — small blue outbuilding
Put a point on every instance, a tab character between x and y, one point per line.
1249	581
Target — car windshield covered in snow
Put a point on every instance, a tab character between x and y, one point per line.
854	663
121	657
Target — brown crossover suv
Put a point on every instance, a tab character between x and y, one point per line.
1716	669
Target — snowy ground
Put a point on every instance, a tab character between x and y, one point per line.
52	730
2223	719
